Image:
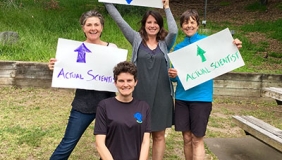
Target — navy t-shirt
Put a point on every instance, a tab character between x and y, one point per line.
124	125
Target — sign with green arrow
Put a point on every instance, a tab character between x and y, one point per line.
206	59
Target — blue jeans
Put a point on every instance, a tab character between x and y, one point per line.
77	124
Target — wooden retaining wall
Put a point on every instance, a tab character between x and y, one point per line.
25	74
245	84
32	74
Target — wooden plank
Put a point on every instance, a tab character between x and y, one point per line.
43	83
264	125
255	93
271	84
7	65
274	89
273	92
6	81
240	77
259	133
7	73
44	74
236	84
270	78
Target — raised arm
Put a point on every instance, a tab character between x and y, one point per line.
127	31
172	27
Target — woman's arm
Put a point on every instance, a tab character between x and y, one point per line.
102	148
145	147
127	31
172	27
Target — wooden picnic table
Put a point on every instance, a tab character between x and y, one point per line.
275	93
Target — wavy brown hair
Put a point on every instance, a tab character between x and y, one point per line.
162	33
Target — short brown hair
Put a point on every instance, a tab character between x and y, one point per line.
91	13
189	13
125	67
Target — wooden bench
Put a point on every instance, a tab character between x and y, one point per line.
275	93
260	130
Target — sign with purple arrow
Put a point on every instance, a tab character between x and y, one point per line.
144	3
86	66
81	56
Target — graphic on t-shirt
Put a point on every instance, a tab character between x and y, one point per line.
201	52
81	56
129	1
138	117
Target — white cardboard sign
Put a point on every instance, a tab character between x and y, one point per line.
206	59
144	3
86	66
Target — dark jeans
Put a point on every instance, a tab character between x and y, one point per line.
77	124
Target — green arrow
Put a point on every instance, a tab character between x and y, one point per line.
201	52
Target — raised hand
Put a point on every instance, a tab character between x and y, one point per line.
166	4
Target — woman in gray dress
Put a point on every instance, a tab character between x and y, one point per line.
151	44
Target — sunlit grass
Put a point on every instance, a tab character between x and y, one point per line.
40	24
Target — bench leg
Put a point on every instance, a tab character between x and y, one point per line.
278	102
247	133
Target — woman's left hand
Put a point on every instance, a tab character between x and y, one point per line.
166	4
238	43
172	72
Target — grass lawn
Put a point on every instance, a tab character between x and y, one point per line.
33	120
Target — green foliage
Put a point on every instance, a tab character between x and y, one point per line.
256	6
9	4
40	27
224	3
276	55
279	6
40	23
272	28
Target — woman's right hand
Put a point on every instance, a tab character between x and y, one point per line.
51	63
172	72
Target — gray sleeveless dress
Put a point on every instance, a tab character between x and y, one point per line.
154	86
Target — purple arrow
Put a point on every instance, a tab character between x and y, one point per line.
82	50
129	1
